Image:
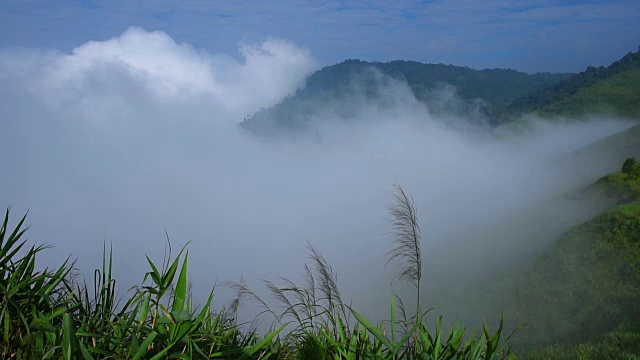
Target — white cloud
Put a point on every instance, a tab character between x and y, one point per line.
167	68
153	63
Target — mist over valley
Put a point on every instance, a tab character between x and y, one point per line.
250	159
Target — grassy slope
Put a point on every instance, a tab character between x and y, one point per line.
619	95
619	344
581	294
609	90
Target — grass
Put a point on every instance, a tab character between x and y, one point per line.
48	314
622	186
619	344
584	286
579	297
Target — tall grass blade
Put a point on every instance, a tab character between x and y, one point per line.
261	344
372	329
69	336
181	287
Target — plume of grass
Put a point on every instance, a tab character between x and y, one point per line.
328	286
242	294
406	239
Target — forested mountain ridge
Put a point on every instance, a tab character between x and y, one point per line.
496	86
445	89
614	89
491	96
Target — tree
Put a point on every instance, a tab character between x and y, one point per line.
629	166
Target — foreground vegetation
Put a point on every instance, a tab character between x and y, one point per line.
47	314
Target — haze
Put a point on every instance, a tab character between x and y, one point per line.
124	138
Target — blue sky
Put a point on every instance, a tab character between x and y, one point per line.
525	35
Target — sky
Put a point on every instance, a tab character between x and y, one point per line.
531	36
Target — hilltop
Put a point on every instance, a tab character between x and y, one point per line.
444	89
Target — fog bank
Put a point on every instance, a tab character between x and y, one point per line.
124	138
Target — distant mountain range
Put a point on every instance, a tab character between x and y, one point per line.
492	96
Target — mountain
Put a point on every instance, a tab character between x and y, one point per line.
492	96
611	90
446	89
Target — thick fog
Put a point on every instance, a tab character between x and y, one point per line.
124	138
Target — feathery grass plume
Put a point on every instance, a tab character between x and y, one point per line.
280	294
310	294
328	277
406	239
243	294
317	302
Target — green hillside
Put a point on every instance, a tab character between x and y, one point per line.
614	95
609	90
580	295
446	89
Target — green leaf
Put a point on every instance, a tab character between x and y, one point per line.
68	336
161	354
255	348
144	310
142	349
393	319
85	352
167	278
155	274
372	329
181	287
404	339
204	311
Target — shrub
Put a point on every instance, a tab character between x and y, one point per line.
630	166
